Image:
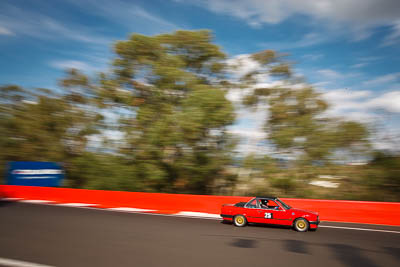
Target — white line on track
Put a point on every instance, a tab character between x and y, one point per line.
360	229
159	214
77	205
130	209
17	263
366	224
197	214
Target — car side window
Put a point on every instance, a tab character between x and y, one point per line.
273	205
269	204
252	204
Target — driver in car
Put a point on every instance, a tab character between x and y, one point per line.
264	205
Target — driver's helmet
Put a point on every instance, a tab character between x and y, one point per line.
264	202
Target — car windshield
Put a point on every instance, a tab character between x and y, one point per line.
286	206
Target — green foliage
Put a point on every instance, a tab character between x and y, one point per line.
299	129
296	123
103	172
175	131
286	184
383	177
265	57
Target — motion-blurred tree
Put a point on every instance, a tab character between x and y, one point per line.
173	109
296	123
383	177
42	126
11	98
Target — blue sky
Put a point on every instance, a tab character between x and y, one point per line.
349	50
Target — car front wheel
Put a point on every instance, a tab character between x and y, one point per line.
239	221
301	225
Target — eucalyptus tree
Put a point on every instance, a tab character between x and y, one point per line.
169	91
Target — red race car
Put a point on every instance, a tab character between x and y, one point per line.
269	210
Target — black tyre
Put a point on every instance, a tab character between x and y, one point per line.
301	225
239	221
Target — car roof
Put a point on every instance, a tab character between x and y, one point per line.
267	197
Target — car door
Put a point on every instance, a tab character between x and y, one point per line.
273	213
254	213
280	215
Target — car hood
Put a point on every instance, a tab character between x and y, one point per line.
303	211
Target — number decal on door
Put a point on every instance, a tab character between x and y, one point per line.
268	215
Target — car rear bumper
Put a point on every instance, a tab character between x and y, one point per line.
226	216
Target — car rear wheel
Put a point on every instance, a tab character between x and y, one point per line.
239	221
301	225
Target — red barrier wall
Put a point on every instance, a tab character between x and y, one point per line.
386	213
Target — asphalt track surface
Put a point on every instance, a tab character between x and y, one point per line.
73	237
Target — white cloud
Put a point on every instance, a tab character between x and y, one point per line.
252	139
309	39
357	15
321	84
345	94
313	57
235	95
360	105
242	64
46	25
388	140
72	64
5	31
389	101
349	104
384	79
330	74
155	19
249	126
369	59
359	65
366	107
364	61
394	37
275	11
20	21
126	13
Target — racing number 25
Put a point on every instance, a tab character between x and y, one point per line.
268	215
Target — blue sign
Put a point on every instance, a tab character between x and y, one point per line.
33	173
